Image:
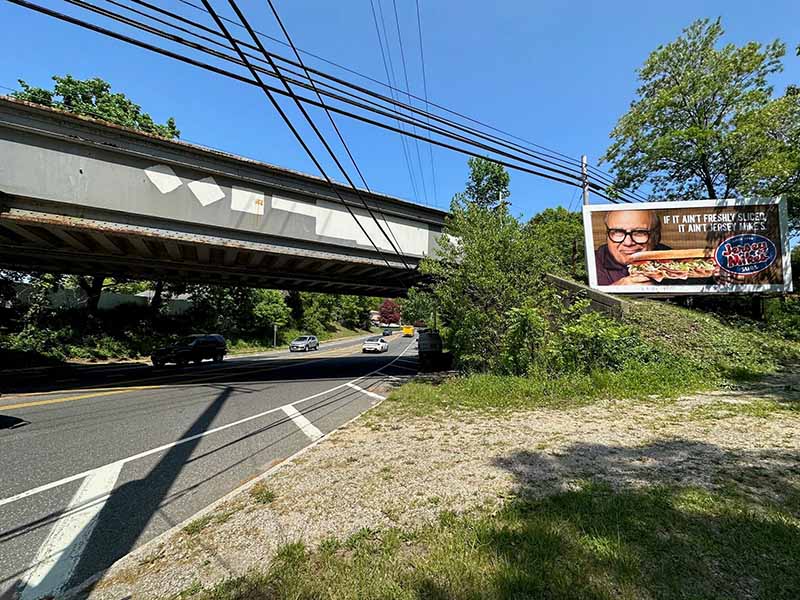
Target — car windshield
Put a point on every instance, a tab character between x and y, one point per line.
302	339
188	340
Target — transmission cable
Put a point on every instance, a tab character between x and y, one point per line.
398	249
283	115
391	91
122	37
602	175
408	94
425	92
621	193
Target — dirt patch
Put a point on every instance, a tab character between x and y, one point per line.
386	473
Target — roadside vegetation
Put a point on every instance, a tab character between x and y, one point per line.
591	542
34	332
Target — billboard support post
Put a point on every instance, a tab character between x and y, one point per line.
585	179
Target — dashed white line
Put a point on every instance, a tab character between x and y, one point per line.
304	424
59	554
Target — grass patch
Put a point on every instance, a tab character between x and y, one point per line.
761	408
664	379
262	494
735	350
199	524
667	542
196	526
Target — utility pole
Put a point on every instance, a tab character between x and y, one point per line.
585	179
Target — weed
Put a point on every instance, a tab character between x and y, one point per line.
262	494
196	526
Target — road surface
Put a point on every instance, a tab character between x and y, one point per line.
98	462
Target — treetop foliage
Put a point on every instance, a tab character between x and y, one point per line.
94	98
705	123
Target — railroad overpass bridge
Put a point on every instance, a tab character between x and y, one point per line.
79	196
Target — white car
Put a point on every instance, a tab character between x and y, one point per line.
375	344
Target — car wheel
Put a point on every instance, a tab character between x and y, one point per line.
218	357
181	362
157	364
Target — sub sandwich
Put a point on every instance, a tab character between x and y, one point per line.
694	263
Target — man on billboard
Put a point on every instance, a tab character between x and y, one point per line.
627	232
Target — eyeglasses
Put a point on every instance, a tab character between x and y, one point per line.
639	236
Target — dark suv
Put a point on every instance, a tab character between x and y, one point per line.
193	348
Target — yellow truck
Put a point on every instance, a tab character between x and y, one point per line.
408	331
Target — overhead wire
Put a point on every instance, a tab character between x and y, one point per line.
425	93
571	181
600	174
394	244
390	77
621	194
341	137
408	94
276	105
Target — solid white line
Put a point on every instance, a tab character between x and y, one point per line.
62	549
75	477
304	424
367	392
402	367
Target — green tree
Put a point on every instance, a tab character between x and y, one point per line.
559	233
93	98
271	309
417	306
680	133
355	310
487	185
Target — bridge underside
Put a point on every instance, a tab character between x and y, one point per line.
83	197
35	238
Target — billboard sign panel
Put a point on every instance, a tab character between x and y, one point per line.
688	247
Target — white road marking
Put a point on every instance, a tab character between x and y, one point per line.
402	367
367	392
81	475
59	554
304	424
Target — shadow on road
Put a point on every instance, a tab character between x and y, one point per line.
229	371
132	505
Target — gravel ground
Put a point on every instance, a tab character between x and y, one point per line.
383	472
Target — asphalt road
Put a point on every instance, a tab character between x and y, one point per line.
95	466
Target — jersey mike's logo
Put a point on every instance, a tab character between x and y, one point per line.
746	254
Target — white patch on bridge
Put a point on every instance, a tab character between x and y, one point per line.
331	220
249	201
163	177
206	191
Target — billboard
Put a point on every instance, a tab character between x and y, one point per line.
688	247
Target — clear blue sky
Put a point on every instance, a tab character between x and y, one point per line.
557	73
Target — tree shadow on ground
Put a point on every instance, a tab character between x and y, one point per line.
671	519
597	522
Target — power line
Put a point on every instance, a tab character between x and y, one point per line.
390	77
605	180
391	91
283	115
408	90
601	175
425	92
573	180
395	245
399	116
